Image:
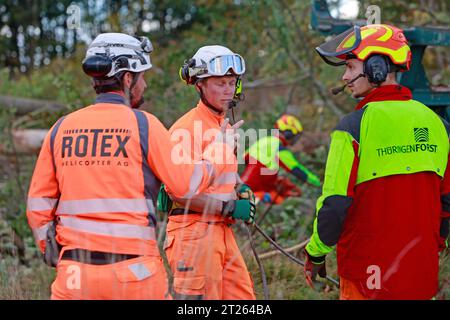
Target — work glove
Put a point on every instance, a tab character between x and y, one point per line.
242	209
245	192
314	266
164	203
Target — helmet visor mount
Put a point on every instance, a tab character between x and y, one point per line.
335	51
146	44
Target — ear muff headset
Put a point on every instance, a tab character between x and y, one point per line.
288	134
98	66
376	68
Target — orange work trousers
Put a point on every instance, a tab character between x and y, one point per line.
140	278
349	291
206	262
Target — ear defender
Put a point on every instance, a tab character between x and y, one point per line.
97	66
376	68
184	72
288	134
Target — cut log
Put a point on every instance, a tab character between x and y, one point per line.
26	105
26	141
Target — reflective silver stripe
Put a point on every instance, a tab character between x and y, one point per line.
105	205
140	271
226	178
223	196
109	229
41	232
41	204
202	203
150	206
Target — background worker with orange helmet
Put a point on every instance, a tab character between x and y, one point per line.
385	200
266	155
200	245
97	178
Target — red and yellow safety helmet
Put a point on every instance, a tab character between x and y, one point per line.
362	42
289	122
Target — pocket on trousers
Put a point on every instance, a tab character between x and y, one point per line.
136	270
189	288
168	242
168	245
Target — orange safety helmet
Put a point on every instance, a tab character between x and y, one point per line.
363	42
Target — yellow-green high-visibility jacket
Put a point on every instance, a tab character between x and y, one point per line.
385	202
264	159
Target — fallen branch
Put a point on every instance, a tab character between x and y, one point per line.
291	249
26	141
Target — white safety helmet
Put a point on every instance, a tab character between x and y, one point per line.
111	53
211	61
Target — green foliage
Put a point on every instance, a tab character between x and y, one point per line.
21	282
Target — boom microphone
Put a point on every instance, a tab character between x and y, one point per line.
337	90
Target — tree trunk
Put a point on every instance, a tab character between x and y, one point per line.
27	141
25	105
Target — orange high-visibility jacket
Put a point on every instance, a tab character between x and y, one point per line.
202	125
99	172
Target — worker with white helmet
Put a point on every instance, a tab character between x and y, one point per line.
200	246
91	203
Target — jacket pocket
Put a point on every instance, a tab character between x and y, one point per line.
189	288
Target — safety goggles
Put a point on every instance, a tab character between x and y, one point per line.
220	65
337	49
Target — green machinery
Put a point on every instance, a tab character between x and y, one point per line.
418	37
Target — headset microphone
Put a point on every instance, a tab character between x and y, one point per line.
338	90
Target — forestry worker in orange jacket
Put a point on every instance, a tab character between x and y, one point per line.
97	178
200	246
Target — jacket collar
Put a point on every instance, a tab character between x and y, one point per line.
111	97
388	92
204	110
